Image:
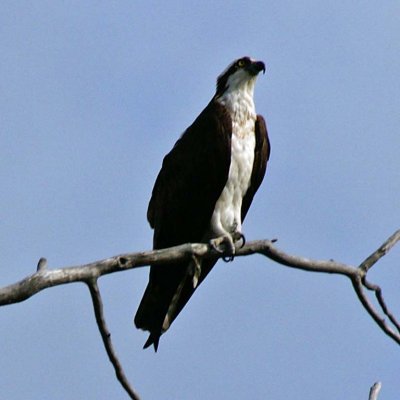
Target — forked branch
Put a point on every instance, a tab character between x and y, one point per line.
44	278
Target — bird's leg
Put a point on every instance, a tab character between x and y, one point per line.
236	237
224	245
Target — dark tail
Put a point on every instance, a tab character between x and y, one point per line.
152	340
163	300
150	315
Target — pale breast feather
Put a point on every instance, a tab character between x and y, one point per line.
226	217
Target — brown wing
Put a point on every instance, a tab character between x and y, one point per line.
190	182
261	157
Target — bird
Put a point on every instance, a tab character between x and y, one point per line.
203	193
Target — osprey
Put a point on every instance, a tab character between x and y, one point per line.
203	192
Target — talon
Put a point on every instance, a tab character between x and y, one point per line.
215	243
224	245
243	239
237	237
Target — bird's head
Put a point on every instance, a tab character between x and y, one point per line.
241	72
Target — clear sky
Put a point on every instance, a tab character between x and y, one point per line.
94	94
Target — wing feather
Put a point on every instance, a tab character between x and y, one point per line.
261	156
191	179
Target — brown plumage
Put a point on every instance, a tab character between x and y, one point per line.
190	182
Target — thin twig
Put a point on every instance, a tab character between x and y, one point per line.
376	255
106	336
358	287
379	296
42	264
374	391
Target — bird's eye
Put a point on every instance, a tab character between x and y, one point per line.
240	63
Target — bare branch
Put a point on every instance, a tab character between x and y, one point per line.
374	391
44	278
382	303
106	336
42	264
267	248
358	287
376	255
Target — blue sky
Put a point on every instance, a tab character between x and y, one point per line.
93	96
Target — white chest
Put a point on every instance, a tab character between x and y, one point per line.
227	213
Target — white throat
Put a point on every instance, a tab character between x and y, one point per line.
238	99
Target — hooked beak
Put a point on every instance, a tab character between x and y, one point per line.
255	67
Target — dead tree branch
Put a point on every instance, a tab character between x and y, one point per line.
45	278
106	336
374	391
378	254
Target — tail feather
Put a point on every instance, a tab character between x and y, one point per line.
164	299
150	313
152	340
